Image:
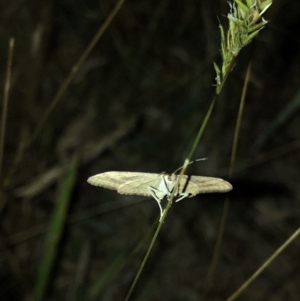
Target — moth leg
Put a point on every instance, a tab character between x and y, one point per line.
153	192
182	196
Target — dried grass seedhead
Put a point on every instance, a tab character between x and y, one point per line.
245	21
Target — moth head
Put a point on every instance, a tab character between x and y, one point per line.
171	178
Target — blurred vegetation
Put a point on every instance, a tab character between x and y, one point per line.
136	105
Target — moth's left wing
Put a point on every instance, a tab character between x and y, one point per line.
126	182
110	180
138	183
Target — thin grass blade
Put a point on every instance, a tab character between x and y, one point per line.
55	232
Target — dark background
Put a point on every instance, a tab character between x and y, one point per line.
136	105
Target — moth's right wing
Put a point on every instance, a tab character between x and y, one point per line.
199	184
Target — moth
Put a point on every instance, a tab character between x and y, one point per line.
159	186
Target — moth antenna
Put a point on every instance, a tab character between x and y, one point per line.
202	159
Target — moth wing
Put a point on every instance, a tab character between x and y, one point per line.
110	180
138	184
199	184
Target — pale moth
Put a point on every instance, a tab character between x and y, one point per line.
158	186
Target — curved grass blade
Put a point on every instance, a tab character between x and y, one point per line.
55	232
